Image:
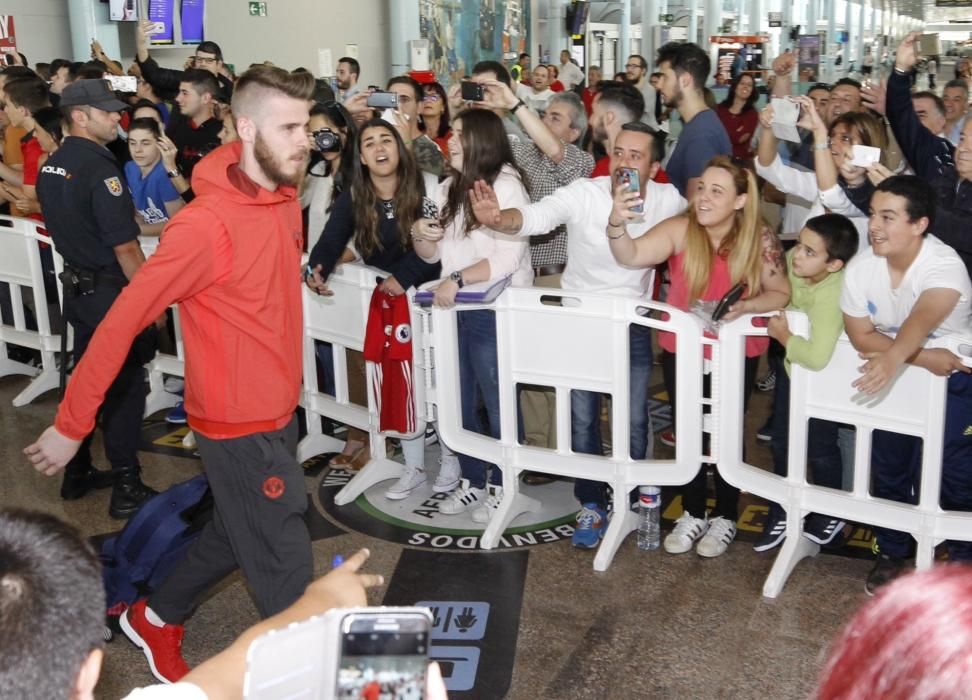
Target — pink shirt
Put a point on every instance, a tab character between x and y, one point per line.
720	282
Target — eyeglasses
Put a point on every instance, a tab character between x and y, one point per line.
431	97
206	59
632	65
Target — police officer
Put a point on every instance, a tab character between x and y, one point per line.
91	218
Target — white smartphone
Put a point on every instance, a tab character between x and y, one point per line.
865	156
156	28
384	653
123	83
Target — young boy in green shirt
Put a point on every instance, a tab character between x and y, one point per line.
816	270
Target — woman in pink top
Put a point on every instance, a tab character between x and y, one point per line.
716	244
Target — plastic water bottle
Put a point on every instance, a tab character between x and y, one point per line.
649	527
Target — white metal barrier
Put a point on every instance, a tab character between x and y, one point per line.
341	320
20	268
164	363
913	405
579	342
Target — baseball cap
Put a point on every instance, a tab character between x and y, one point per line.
93	93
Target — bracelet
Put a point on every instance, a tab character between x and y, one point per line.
821	146
621	225
620	235
519	103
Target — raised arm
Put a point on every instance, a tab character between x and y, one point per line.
654	247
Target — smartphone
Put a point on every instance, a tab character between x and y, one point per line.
472	92
631	179
123	83
383	100
731	297
383	653
156	28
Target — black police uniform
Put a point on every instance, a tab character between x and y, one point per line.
88	211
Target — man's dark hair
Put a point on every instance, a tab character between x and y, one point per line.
657	144
353	63
616	95
524	55
322	91
411	82
59	63
43	70
211	47
957	83
686	58
847	81
11	72
50	120
31	93
145	103
918	195
640	59
92	70
838	233
818	86
928	95
146	123
202	81
52	605
494	67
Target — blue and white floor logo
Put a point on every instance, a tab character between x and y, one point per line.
417	520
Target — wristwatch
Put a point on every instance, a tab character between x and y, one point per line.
457	278
519	103
174	173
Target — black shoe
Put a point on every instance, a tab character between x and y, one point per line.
77	482
773	535
538	479
128	494
886	569
822	529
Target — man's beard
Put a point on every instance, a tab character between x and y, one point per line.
599	134
272	167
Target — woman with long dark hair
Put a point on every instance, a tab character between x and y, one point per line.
378	214
738	114
333	136
718	243
478	150
435	115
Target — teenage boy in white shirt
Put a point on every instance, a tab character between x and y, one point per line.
906	288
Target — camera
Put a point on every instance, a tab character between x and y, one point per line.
383	100
327	141
472	92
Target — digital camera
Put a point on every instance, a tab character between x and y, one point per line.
327	141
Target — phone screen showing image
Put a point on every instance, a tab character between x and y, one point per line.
382	664
631	179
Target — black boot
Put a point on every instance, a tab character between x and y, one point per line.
128	493
81	478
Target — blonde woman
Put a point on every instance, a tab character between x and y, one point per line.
718	243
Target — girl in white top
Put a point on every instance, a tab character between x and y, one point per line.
469	252
814	193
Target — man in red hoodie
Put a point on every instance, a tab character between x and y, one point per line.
230	259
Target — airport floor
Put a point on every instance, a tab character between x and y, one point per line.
530	619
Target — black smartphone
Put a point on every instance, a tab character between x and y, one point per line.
730	298
383	653
473	92
383	100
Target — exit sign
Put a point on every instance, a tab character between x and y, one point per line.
258	9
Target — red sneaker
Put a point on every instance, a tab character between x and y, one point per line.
667	438
162	645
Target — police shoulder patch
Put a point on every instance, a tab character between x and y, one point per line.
114	186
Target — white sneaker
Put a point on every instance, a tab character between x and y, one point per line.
494	495
449	474
462	499
174	385
410	480
687	530
721	532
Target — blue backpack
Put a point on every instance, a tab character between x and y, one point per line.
137	559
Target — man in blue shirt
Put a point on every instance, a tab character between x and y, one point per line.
684	69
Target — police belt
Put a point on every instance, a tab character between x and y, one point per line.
80	281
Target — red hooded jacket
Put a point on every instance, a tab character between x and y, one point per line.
231	260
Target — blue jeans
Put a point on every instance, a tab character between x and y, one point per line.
325	362
824	461
896	466
585	416
479	388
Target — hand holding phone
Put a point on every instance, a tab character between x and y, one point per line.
472	91
727	302
630	179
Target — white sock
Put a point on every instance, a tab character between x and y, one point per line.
153	618
414	452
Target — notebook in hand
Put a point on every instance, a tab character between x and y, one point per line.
476	293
